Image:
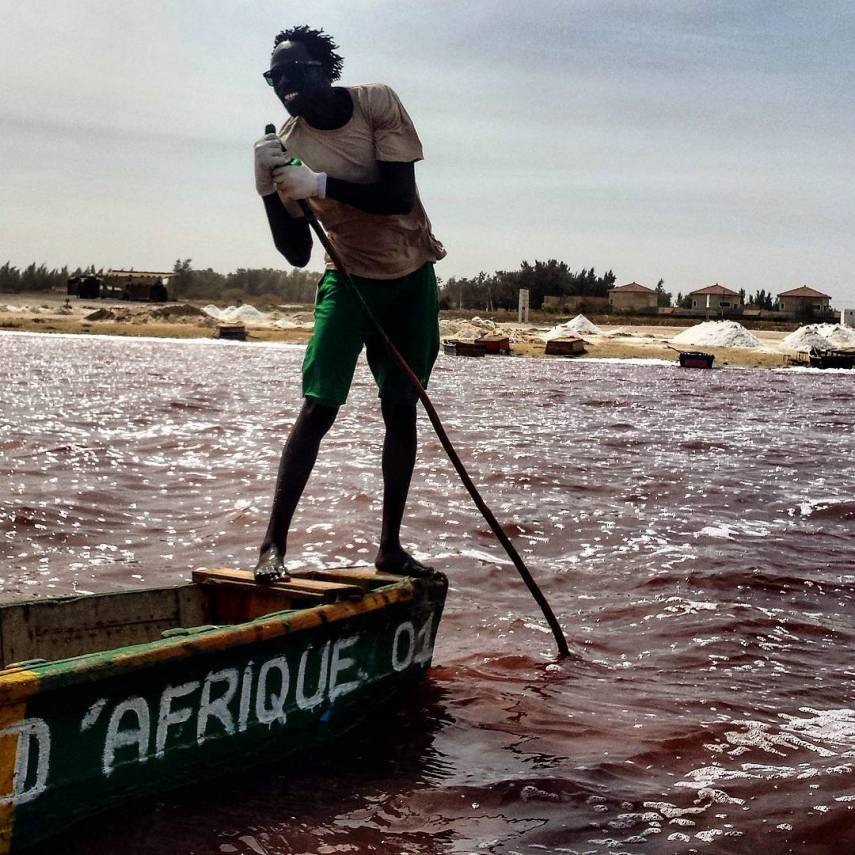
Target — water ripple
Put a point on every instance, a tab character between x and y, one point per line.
693	531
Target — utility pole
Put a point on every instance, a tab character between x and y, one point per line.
522	314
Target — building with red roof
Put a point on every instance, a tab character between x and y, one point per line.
633	297
804	300
715	298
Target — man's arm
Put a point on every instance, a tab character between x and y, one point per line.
394	193
288	226
291	235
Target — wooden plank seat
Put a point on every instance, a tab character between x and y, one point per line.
233	596
318	590
367	578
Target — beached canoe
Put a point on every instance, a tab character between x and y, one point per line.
232	331
456	347
568	345
695	359
495	343
817	357
118	695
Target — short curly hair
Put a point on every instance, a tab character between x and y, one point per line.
320	46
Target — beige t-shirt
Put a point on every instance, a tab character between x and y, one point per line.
379	246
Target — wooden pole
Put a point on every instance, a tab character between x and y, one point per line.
540	599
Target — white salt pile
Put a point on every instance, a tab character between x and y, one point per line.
246	314
820	336
580	325
838	333
804	338
468	330
717	334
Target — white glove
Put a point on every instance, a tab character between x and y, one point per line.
297	181
268	156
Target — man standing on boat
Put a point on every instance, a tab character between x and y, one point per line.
358	149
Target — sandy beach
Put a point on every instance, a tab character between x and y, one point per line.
49	313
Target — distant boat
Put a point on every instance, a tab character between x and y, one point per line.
233	331
495	343
106	697
695	359
566	345
456	347
825	358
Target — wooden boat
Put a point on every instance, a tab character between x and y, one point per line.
105	697
695	359
495	343
456	347
565	346
231	331
825	358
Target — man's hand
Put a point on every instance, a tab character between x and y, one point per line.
297	181
268	156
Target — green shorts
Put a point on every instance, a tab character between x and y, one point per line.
407	309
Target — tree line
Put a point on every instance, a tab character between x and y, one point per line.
263	285
486	292
35	277
500	290
260	284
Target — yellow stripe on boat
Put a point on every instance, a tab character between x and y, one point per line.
11	715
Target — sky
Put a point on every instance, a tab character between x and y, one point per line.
699	142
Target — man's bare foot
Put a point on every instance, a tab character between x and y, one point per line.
401	563
271	566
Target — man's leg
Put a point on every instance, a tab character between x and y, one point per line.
295	466
411	322
327	373
399	458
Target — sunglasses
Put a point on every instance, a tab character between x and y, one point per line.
295	72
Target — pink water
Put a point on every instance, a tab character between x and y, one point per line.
694	531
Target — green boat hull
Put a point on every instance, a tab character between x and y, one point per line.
82	734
